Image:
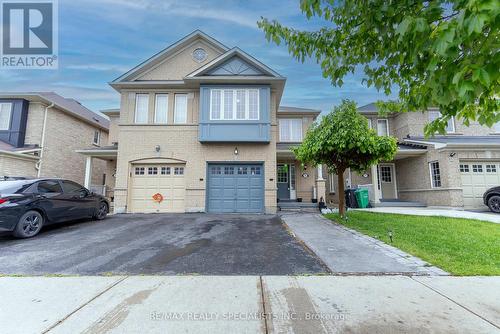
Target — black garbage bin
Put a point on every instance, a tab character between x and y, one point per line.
350	198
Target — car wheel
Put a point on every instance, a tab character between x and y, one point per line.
29	225
494	203
102	211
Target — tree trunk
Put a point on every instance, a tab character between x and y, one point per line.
341	192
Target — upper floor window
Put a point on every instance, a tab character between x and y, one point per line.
180	109
97	137
5	114
382	127
161	108
141	108
290	129
369	120
450	127
234	104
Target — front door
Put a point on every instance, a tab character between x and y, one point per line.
283	180
387	181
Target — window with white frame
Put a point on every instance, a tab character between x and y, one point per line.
234	104
450	127
382	127
290	130
5	114
477	168
464	168
435	174
161	108
141	108
331	183
180	110
491	168
97	137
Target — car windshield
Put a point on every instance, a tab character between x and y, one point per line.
13	187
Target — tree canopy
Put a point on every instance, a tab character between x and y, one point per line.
341	140
441	54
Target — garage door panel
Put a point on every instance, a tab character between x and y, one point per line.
240	191
171	187
477	177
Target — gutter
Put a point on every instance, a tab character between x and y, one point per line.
42	144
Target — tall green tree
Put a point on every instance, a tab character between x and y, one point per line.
436	53
341	140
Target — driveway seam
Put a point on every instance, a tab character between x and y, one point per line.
456	303
263	302
84	304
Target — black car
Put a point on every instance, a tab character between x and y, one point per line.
492	199
27	205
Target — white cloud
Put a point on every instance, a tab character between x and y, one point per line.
244	18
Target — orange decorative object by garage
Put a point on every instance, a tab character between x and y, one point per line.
158	197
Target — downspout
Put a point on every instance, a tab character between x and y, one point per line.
42	144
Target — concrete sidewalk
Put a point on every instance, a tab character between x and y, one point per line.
250	304
485	216
344	250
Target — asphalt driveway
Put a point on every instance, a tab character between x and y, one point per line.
161	244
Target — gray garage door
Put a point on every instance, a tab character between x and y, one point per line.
235	188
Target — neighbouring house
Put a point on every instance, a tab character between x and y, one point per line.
200	129
452	170
39	133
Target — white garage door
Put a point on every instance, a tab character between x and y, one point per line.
477	177
150	180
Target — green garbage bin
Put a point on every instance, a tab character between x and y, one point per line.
362	197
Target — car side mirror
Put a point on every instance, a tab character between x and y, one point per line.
84	193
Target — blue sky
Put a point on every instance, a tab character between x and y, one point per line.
101	39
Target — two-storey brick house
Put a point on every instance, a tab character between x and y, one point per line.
198	129
39	133
453	170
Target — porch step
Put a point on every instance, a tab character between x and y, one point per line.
397	204
291	205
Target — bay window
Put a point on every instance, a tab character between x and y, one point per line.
234	104
5	115
290	130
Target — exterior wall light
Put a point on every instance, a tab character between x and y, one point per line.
236	151
157	148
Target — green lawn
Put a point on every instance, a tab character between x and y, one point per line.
459	246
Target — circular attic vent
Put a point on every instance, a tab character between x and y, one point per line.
199	55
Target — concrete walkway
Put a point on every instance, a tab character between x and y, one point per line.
486	216
250	304
344	250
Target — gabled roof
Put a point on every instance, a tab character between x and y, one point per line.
369	108
68	105
234	52
160	56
